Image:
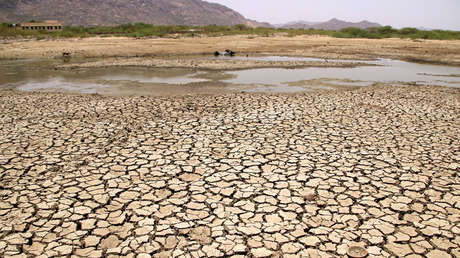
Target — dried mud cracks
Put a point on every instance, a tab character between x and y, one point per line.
246	175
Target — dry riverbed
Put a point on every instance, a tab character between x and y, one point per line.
259	175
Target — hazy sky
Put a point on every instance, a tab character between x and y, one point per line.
435	14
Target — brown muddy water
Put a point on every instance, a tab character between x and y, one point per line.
40	75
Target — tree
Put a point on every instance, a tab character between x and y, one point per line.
240	27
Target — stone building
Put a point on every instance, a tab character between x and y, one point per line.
45	25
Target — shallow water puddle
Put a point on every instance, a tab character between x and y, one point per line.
39	75
142	75
386	71
292	58
147	79
282	89
59	84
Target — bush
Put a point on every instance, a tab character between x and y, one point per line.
408	31
240	27
147	30
214	28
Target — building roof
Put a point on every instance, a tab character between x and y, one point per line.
43	24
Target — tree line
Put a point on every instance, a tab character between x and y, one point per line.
142	30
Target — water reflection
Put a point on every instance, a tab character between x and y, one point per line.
386	71
40	75
59	84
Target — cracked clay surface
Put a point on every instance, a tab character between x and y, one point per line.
244	175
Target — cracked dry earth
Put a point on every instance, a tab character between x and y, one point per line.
305	175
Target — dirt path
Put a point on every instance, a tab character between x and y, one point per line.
433	51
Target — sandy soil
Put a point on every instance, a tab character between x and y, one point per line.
204	64
250	175
433	51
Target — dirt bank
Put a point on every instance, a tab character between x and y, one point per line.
204	64
432	51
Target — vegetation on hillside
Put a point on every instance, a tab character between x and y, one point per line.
141	30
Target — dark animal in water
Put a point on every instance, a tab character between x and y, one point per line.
227	52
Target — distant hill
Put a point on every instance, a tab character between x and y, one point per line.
333	24
424	28
295	24
115	12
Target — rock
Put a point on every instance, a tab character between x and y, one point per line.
357	252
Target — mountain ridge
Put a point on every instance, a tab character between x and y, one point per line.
116	12
332	24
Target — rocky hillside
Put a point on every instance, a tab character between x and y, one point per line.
333	24
113	12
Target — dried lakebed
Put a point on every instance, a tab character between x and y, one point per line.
201	75
257	175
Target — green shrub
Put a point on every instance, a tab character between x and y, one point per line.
240	27
146	30
408	31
